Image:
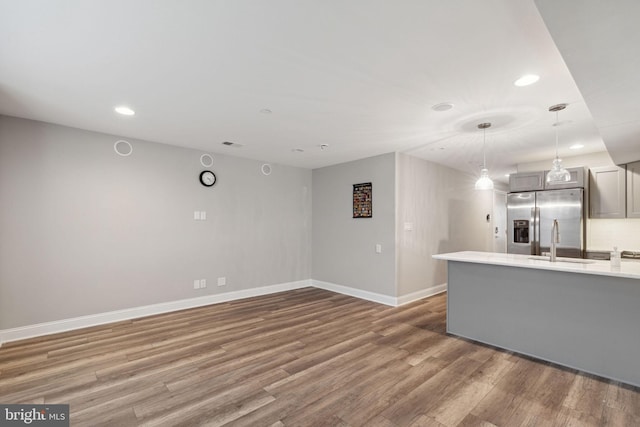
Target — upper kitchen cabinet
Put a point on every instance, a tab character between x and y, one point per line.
535	181
607	192
633	190
576	180
526	181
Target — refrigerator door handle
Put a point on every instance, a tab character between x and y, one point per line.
535	231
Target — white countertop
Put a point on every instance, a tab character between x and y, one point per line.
628	268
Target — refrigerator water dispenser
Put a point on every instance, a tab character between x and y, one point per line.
520	231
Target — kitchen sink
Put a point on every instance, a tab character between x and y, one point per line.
570	260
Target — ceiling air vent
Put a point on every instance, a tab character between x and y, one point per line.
232	144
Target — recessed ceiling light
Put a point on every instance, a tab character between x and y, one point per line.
124	110
576	146
297	150
443	106
507	175
266	111
526	80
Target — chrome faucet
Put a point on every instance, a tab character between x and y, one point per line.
555	239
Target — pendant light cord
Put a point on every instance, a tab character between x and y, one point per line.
484	127
484	182
556	125
556	109
484	148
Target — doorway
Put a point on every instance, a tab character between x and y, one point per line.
499	224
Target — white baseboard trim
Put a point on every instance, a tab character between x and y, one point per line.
354	292
380	298
47	328
64	325
423	293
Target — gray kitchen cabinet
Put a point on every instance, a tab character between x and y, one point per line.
607	192
576	181
526	181
633	190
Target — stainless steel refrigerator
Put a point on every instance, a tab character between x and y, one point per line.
530	217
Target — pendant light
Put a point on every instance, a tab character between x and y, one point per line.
557	174
484	182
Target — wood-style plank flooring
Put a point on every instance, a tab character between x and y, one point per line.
302	358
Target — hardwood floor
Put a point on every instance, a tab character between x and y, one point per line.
302	358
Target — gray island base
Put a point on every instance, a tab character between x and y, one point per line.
583	316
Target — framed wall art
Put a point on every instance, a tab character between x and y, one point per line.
362	200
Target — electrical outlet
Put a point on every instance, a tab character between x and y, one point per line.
200	215
196	284
203	283
222	281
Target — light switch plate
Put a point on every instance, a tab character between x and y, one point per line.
196	284
196	215
222	281
378	248
203	215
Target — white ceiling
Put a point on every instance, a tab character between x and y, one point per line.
600	42
358	75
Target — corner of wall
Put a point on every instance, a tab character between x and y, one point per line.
343	247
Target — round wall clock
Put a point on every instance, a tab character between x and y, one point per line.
207	178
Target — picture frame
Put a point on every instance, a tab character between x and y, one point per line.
362	200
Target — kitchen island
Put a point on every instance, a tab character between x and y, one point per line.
582	314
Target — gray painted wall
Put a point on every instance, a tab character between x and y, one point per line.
344	247
446	214
85	231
